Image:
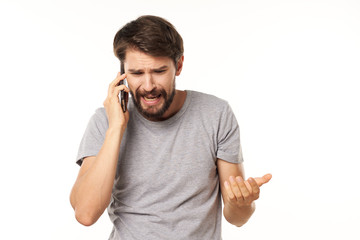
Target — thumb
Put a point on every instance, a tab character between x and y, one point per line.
264	179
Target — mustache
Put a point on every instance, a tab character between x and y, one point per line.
153	93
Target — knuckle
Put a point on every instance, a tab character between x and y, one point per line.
240	201
242	184
119	88
237	195
232	198
112	100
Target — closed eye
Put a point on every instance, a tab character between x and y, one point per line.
136	73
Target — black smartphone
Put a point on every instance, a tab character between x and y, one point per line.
123	96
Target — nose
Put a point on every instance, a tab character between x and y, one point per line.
148	83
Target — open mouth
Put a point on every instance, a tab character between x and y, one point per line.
151	99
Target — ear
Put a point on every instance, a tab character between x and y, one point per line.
179	65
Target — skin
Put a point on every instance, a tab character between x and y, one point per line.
238	195
149	77
145	73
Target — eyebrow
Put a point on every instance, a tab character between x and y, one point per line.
154	69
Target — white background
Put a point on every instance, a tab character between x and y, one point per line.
289	69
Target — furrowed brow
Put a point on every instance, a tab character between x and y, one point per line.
161	68
134	70
154	69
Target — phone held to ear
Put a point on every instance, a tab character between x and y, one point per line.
123	96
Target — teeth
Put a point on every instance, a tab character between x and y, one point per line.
150	99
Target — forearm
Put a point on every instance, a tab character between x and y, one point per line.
92	191
238	216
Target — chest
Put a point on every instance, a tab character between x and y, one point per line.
167	162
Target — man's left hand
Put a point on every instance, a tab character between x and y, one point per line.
242	193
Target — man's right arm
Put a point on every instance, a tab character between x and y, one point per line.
92	190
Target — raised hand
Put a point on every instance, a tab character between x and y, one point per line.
116	117
242	193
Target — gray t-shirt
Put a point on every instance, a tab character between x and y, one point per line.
167	185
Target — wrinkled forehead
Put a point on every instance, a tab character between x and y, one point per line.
138	60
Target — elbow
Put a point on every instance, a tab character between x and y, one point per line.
83	215
86	218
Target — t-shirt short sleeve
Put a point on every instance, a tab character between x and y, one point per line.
94	136
229	148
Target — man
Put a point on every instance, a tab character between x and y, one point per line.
160	166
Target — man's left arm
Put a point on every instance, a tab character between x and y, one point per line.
238	194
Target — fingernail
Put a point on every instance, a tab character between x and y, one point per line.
232	179
239	179
226	184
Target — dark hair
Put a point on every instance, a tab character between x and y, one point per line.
150	34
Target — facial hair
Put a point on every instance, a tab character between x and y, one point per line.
155	116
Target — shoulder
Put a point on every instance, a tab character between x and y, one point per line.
208	102
100	118
100	113
207	99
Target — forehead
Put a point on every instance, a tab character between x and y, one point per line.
136	59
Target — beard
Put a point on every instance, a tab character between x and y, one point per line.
147	113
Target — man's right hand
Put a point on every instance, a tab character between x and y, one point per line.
116	117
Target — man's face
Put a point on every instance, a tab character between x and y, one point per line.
151	81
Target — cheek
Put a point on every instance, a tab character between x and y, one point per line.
132	84
167	82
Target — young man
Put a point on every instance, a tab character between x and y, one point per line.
161	166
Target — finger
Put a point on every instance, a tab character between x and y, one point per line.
118	78
244	190
235	188
267	177
229	192
248	186
264	179
115	94
120	88
115	82
255	188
